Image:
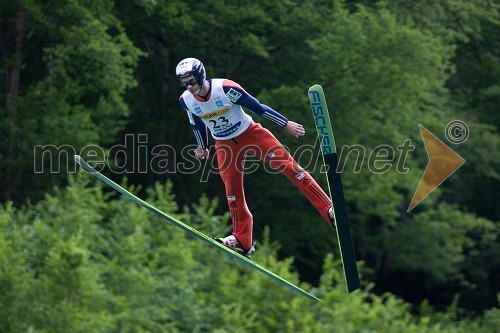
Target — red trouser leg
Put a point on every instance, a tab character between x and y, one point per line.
231	162
260	142
280	160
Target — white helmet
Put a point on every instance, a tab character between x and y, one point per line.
191	66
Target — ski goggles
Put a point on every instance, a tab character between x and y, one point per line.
191	82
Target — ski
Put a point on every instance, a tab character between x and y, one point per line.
334	181
241	258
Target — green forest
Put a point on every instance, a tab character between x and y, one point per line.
97	78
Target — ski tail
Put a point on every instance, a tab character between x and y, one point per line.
335	188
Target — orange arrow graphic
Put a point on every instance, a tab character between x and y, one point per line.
443	162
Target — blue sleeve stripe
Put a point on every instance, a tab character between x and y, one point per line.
197	135
200	131
200	139
275	119
199	128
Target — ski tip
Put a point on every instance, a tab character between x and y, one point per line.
316	87
83	164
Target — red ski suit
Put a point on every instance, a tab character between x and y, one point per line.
237	135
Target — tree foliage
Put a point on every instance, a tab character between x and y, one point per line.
81	260
84	74
67	66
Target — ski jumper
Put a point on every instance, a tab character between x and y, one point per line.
237	135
